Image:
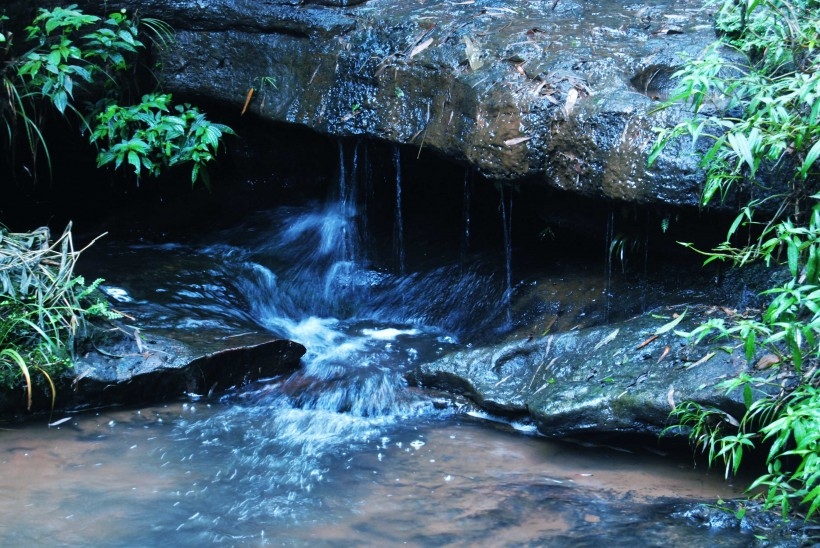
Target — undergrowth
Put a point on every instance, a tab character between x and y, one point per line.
44	305
754	97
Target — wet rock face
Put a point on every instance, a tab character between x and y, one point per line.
119	367
615	379
552	91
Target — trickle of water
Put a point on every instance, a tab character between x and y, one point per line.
608	257
506	219
399	226
465	246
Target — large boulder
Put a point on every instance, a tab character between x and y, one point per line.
620	378
558	92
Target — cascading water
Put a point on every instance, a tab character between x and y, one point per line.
300	275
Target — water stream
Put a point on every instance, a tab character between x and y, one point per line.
343	452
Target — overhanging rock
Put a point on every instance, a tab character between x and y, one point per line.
557	93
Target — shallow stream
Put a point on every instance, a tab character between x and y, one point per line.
343	452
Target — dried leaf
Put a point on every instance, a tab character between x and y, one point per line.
767	361
473	54
664	353
647	341
704	359
247	101
572	98
516	141
421	47
608	339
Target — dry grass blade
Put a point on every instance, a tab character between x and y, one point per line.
53	389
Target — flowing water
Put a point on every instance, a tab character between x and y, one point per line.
343	452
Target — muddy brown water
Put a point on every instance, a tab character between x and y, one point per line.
149	476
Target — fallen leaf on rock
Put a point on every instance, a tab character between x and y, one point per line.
664	353
572	98
516	141
608	339
473	54
247	101
421	47
767	361
647	341
704	359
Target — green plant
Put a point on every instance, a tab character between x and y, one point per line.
789	423
150	136
44	305
758	117
82	64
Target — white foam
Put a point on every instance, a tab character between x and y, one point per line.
388	333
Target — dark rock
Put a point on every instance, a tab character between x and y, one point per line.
142	368
601	380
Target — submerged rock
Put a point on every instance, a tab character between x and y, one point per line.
620	378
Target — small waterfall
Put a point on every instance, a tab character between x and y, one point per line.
338	236
398	230
465	245
608	258
367	192
506	218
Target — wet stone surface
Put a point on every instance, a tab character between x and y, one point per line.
552	92
620	378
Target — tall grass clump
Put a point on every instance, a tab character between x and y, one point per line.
43	306
754	119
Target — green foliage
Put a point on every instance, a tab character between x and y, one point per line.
44	304
789	423
149	137
758	116
80	64
761	112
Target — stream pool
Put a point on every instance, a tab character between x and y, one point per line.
343	452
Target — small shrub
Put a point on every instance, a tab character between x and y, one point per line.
81	66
